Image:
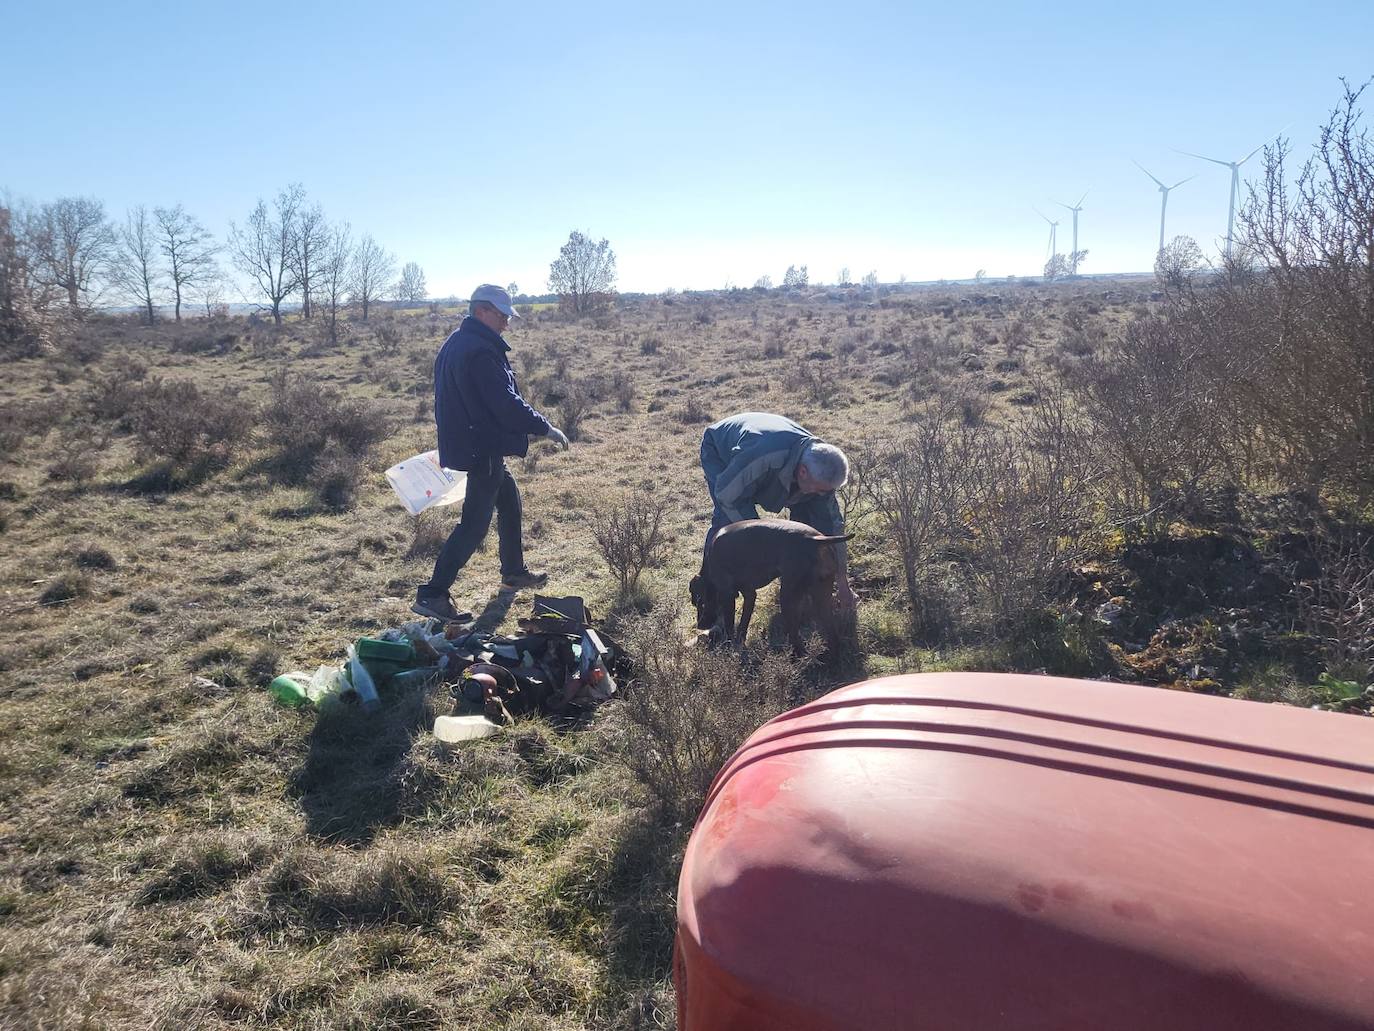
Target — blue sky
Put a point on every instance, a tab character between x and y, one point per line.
710	143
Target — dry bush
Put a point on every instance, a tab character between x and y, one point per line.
574	406
623	387
1006	511
689	709
187	429
1147	396
693	411
629	534
1027	506
315	429
818	382
77	455
1337	608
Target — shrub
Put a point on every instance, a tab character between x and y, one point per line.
689	709
623	386
78	453
311	425
187	428
65	588
629	534
573	408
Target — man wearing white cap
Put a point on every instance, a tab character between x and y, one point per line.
482	419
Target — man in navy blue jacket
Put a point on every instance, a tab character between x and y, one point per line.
482	419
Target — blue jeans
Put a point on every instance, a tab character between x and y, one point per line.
490	489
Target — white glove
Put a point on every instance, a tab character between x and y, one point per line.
557	436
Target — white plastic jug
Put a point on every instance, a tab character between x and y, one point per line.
421	483
453	729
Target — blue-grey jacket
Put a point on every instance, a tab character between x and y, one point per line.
478	409
751	459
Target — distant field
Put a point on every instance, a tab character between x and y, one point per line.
180	852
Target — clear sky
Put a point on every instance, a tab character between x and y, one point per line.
709	142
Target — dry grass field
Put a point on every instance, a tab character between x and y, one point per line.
177	851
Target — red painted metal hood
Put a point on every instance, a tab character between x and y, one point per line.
961	851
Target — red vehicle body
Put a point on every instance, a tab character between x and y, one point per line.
985	851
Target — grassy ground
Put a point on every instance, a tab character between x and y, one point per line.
178	851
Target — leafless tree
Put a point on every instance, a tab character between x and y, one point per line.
335	272
411	286
133	265
372	268
24	296
311	239
795	278
188	249
843	278
263	249
583	274
75	245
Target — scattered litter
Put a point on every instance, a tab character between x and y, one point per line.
558	664
454	729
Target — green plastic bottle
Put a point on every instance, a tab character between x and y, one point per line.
288	691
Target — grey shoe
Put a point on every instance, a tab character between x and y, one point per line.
440	608
515	581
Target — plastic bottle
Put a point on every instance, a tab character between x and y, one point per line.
289	691
454	729
362	682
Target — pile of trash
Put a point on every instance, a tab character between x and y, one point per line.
558	664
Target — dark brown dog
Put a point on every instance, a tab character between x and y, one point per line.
747	555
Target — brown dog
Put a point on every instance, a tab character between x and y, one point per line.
747	555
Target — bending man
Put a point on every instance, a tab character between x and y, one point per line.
757	459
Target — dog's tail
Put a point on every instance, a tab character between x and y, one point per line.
831	540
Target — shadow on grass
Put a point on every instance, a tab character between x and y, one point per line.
348	786
494	612
643	916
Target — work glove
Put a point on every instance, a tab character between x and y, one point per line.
557	436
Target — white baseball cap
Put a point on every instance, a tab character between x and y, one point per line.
497	297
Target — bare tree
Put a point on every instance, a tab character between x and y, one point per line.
372	267
335	272
871	280
843	278
311	239
133	266
264	248
795	278
24	296
189	251
411	286
75	244
583	274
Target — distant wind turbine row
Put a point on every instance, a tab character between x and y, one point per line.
1164	191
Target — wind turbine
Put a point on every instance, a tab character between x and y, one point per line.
1164	200
1054	225
1234	166
1075	208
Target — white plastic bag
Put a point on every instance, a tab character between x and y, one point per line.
421	483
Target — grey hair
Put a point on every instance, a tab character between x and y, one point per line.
475	306
826	463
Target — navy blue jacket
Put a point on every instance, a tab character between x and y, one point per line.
477	404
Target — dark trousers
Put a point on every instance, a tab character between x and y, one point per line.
490	489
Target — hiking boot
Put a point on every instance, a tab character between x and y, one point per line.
515	581
439	607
